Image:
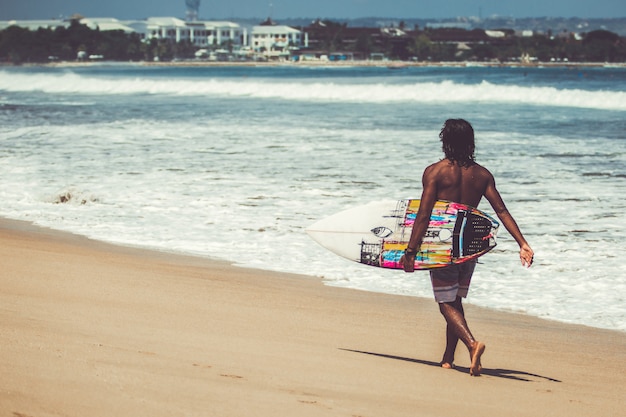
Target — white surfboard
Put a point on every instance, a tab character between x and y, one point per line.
377	233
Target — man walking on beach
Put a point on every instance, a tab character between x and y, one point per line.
458	178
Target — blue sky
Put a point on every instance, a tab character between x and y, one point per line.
337	9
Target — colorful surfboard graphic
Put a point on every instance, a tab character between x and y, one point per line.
456	234
377	233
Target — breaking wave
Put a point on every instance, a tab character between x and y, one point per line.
316	90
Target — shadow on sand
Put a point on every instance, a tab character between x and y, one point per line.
495	372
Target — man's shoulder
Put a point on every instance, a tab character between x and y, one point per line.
434	169
445	163
437	165
481	169
443	167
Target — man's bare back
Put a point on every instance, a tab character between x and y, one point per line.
462	184
448	180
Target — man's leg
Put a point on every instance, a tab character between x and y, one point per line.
451	341
447	361
457	325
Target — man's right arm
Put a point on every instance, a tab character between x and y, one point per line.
422	219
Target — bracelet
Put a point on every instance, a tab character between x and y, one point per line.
410	252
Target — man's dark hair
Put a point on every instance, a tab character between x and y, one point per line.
457	138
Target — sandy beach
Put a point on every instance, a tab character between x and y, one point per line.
91	329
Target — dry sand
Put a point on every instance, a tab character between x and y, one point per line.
90	329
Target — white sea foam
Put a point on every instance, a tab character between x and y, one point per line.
445	91
241	183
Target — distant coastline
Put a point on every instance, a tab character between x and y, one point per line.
393	64
357	63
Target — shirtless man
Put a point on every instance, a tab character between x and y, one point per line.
458	178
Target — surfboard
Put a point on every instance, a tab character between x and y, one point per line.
377	233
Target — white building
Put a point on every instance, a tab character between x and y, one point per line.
275	40
223	32
199	33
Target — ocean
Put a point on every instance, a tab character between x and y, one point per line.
234	162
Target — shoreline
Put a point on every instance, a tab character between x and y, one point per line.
97	329
394	64
29	227
338	64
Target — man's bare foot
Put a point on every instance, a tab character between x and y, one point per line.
477	352
447	365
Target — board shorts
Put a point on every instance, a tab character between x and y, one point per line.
452	281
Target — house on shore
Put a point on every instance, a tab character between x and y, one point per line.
275	42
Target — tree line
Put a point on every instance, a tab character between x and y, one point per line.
443	44
20	45
595	46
